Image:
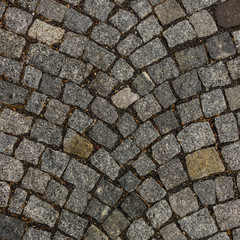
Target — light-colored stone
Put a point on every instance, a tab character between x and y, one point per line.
45	32
124	98
203	163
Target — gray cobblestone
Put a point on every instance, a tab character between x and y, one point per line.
7	143
18	201
32	77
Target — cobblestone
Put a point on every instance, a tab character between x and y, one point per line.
7	143
18	201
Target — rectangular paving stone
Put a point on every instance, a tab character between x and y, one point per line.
129	181
126	124
28	4
32	77
5	194
11	228
11	44
10	68
45	32
51	10
18	201
236	36
36	234
171	232
234	68
94	233
196	5
233	97
220	236
44	58
81	175
142	8
227	214
36	102
191	58
224	188
40	211
149	53
7	143
44	131
14	122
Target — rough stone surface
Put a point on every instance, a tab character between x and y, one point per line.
233	97
5	192
231	155
7	143
126	124
36	103
224	188
171	232
129	181
33	233
18	201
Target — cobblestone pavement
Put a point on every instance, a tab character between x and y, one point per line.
119	119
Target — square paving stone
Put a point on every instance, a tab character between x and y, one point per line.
46	132
187	84
172	173
17	20
75	70
103	84
196	5
11	228
149	28
51	10
143	165
159	213
172	232
206	191
77	201
151	191
35	180
221	46
179	33
12	94
51	85
18	201
54	162
33	233
98	56
40	211
191	58
227	214
105	34
14	123
73	44
233	97
149	53
196	136
5	194
168	11
77	22
215	75
143	84
123	20
11	44
72	224
115	224
224	188
199	224
203	163
166	122
32	77
213	103
45	58
126	151
129	181
165	95
145	135
93	233
97	210
99	9
166	69
11	169
7	143
36	102
133	206
126	124
141	7
227	128
103	161
234	68
139	229
146	107
108	193
189	111
203	23
76	96
28	4
79	121
56	193
103	135
56	111
183	202
165	149
231	155
81	175
10	68
104	110
129	44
